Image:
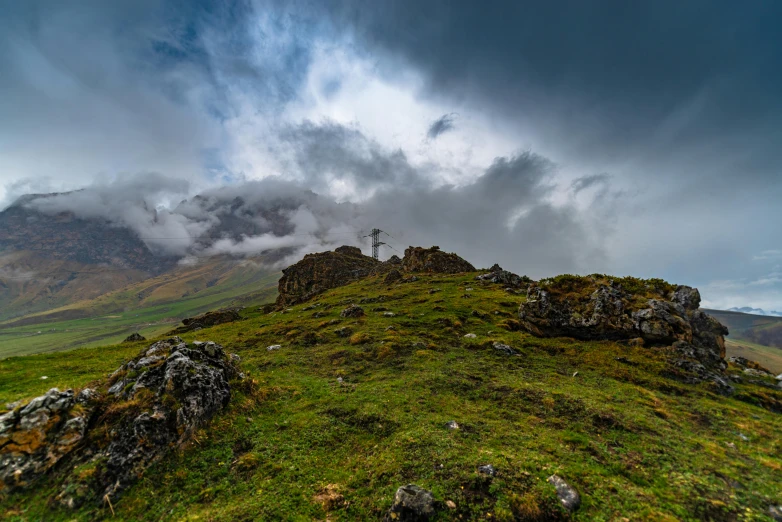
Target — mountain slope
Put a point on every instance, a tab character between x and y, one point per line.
151	307
757	337
328	427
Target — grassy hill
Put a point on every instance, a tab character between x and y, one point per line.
151	307
757	337
328	427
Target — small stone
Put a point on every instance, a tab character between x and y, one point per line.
730	445
566	493
504	348
468	289
411	504
388	314
487	469
775	512
390	328
450	504
44	377
273	347
470	336
340	380
743	437
352	311
343	332
452	425
234	358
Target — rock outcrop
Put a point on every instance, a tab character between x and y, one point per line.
153	403
207	319
132	338
319	272
387	266
434	260
623	309
35	437
503	277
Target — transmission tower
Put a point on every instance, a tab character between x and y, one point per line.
375	235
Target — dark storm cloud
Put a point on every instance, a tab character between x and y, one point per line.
599	79
441	125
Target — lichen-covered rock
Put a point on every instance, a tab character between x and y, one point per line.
604	308
179	387
411	504
149	406
33	438
132	338
434	260
317	273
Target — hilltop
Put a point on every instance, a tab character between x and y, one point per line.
359	382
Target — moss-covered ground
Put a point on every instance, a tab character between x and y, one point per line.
328	427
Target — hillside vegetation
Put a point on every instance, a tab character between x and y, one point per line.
757	337
150	307
346	410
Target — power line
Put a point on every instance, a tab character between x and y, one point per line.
143	238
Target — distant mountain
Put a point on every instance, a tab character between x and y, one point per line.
755	311
764	330
62	248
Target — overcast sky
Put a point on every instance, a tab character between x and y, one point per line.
639	138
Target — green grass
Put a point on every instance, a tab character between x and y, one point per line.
637	446
150	318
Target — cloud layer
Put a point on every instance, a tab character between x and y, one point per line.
633	138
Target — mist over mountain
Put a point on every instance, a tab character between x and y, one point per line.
511	199
755	311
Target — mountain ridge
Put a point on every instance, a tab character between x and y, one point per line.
423	382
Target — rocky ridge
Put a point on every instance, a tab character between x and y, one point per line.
651	313
319	272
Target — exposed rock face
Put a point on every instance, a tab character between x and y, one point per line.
134	337
503	277
599	307
317	273
153	404
593	308
411	504
433	259
35	437
389	265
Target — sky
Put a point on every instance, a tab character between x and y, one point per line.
631	138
